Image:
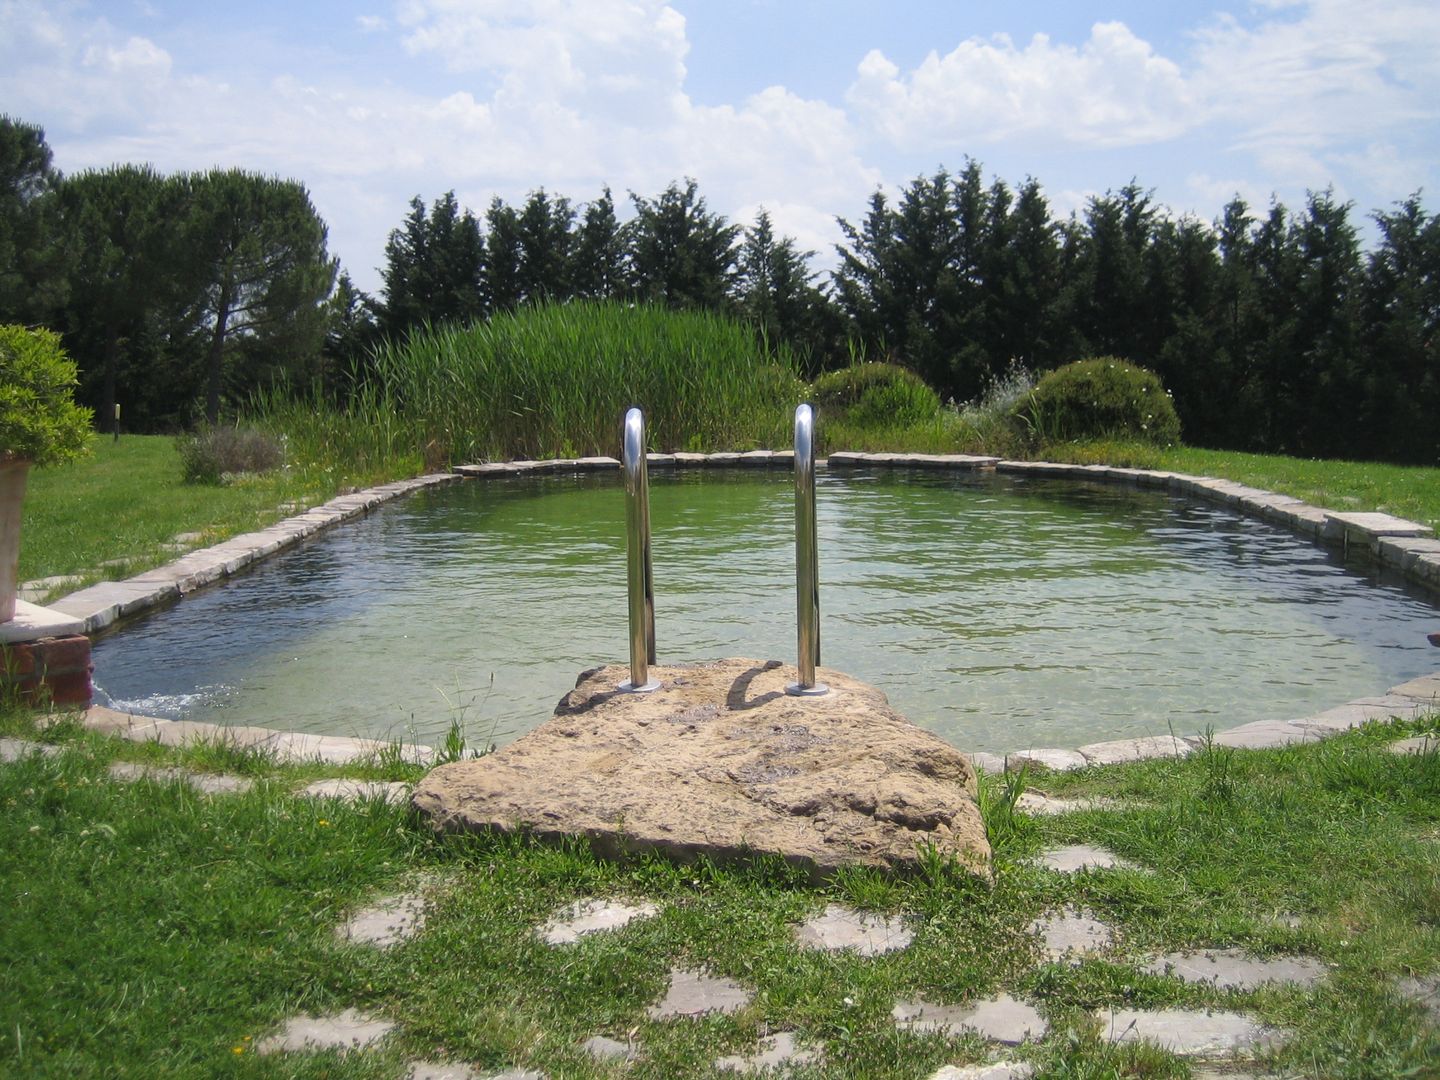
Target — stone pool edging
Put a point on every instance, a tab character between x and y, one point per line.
1391	541
98	606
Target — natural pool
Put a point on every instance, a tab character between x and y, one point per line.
999	612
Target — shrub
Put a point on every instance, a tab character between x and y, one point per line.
39	420
874	393
213	454
1100	398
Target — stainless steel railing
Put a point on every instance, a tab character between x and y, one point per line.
807	566
640	573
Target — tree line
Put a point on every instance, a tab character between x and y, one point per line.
1273	328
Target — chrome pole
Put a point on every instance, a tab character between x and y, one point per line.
637	548
807	566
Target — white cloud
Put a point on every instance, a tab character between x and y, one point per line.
1113	90
372	24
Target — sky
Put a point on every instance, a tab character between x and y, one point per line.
800	106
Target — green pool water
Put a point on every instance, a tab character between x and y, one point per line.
1001	613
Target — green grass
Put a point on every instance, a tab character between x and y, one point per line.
1407	491
127	501
153	932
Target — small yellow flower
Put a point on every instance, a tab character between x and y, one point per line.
237	1049
322	823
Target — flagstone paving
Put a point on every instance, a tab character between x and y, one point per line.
1034	802
1072	934
15	749
842	929
1425	992
1073	858
779	1049
205	783
440	1070
349	1030
999	1070
1416	744
385	923
1232	970
1000	1019
693	993
604	1048
392	792
591	916
1188	1031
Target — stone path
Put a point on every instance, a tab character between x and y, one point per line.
1189	1032
15	749
1000	1019
592	916
1228	969
1073	858
1000	1070
840	929
780	1049
386	922
1071	934
204	783
694	993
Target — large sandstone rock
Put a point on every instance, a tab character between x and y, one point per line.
718	761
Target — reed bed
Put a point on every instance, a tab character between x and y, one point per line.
555	381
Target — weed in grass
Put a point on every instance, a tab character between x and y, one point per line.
998	796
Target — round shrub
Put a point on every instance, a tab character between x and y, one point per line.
39	420
875	393
1100	398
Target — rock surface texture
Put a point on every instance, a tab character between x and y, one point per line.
720	761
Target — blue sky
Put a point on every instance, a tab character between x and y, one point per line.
799	106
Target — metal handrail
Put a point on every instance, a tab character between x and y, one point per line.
807	566
639	572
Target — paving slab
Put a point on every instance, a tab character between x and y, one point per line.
1053	759
1425	689
591	916
779	1049
1119	751
205	783
604	1048
990	763
1034	802
15	749
1189	1031
1230	969
393	792
693	993
440	1070
387	922
349	1030
1356	713
1073	858
842	929
999	1070
1071	934
1371	526
1266	734
1425	992
31	622
1000	1019
1416	744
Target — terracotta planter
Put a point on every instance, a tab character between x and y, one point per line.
12	492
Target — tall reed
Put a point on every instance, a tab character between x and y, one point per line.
555	381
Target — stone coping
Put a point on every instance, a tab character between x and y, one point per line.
97	607
1404	545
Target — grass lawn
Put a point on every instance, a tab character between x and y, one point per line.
1407	491
149	931
126	501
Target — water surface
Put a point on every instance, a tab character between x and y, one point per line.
999	612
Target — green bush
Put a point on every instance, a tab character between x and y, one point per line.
875	393
1100	398
214	454
39	420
